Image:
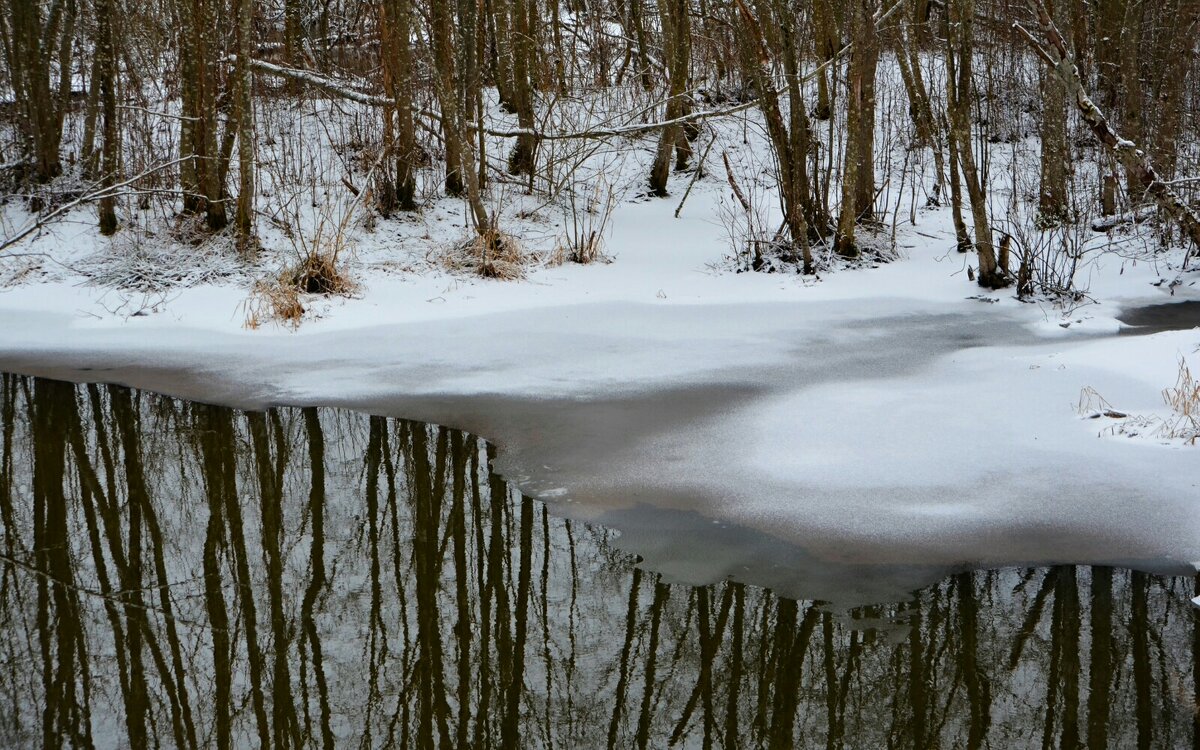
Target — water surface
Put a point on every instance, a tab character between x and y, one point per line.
182	575
1169	316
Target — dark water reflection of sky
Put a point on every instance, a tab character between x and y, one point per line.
192	576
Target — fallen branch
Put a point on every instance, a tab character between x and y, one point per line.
1133	217
737	191
105	192
1135	161
696	174
324	83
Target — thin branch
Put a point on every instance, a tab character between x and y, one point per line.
167	115
111	190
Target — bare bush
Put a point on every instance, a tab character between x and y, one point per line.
745	215
586	217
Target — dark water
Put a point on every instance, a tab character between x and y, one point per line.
174	574
1171	316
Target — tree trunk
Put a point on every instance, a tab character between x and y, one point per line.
1052	197
865	61
1109	19
244	219
89	155
521	160
825	38
677	40
106	68
293	39
844	243
461	177
789	146
959	52
395	31
961	238
200	176
639	35
1131	85
502	39
442	34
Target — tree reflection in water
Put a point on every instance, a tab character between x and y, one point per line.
191	576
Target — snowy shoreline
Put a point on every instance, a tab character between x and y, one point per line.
887	415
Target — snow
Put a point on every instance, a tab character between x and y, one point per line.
818	429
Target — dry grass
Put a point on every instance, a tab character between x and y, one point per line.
274	300
491	254
280	299
315	272
319	274
1182	424
1093	406
1184	400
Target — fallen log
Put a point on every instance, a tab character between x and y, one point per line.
1108	223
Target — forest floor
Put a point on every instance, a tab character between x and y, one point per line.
885	414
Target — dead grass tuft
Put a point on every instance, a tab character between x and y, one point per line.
1182	424
279	299
318	274
1184	400
491	254
274	300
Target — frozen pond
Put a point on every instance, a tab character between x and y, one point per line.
186	575
841	450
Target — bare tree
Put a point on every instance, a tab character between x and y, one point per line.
200	56
858	173
791	139
243	115
37	44
521	161
1052	195
677	37
993	272
106	75
395	20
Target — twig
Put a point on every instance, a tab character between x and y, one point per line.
695	175
168	115
737	191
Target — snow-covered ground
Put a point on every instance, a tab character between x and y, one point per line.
801	431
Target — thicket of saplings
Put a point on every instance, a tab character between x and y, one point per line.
209	123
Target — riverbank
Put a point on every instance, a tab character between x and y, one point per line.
880	415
